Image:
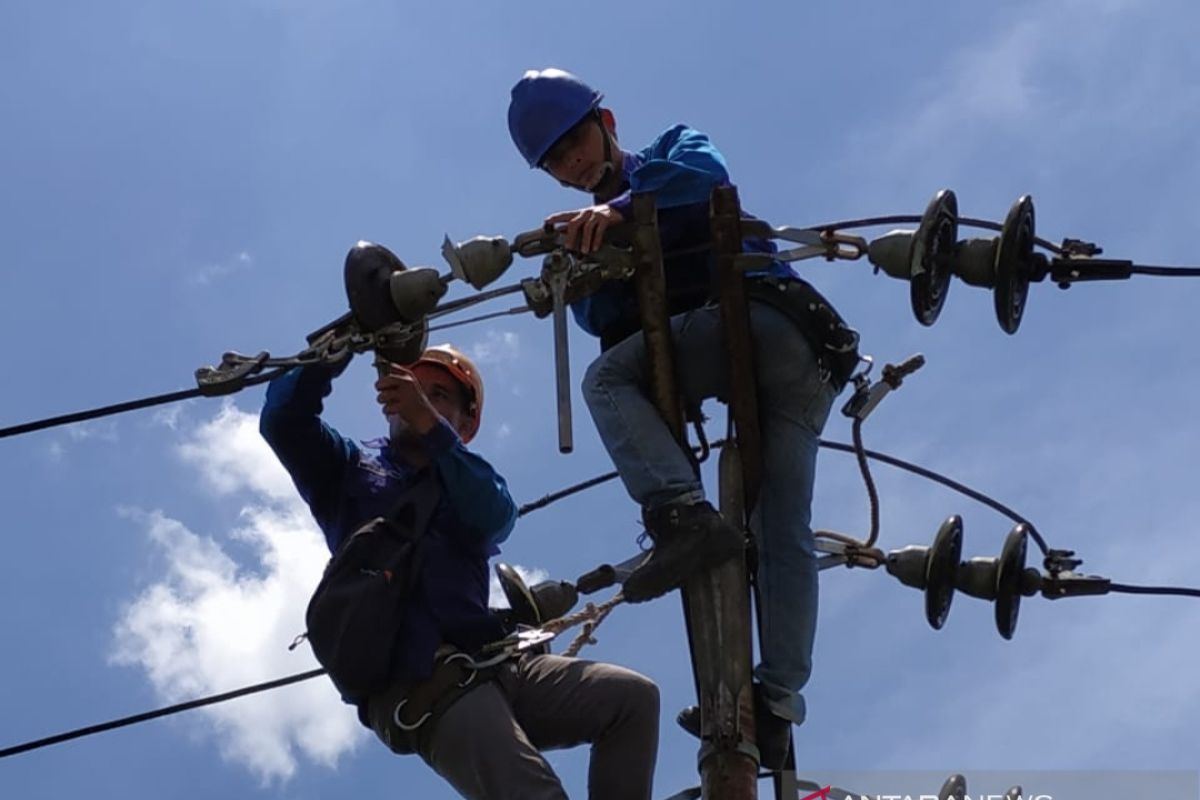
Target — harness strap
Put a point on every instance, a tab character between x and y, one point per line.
405	718
833	342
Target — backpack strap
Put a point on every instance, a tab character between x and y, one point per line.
415	508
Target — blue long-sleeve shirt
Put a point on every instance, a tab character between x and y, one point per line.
681	166
346	485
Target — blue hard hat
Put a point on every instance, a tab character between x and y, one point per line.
545	105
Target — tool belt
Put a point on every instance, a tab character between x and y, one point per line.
833	342
406	716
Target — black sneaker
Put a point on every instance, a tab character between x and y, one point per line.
772	733
687	539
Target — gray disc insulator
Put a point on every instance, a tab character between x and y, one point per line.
478	261
415	292
975	262
890	253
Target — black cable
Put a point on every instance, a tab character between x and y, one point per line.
906	219
860	455
542	503
162	712
81	416
261	687
567	492
1170	272
1125	588
949	483
121	408
188	394
174	397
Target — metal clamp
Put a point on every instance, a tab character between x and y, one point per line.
539	242
1069	584
517	642
867	395
230	375
841	553
843	246
815	243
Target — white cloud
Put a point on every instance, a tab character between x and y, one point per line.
209	273
212	623
497	347
168	416
231	457
1025	91
98	431
216	622
104	431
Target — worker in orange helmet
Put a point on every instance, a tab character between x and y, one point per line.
480	725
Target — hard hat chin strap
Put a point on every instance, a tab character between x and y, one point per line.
610	168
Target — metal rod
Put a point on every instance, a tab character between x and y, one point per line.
510	312
466	302
562	375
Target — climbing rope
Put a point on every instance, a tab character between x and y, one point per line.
591	615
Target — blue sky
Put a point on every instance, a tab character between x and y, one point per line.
182	179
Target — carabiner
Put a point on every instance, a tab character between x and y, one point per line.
404	726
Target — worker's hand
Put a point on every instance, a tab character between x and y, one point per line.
585	227
401	396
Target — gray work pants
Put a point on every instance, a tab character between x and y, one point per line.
487	744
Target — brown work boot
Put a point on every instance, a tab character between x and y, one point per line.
687	539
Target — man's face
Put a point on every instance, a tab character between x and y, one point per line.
445	394
578	157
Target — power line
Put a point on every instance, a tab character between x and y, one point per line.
1125	588
534	506
161	712
120	408
949	483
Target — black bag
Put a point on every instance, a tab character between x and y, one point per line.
356	611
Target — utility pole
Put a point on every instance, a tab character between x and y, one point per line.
715	604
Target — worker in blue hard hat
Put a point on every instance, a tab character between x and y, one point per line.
804	355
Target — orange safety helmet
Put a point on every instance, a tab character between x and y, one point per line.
466	373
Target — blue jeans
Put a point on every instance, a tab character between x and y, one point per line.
794	403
